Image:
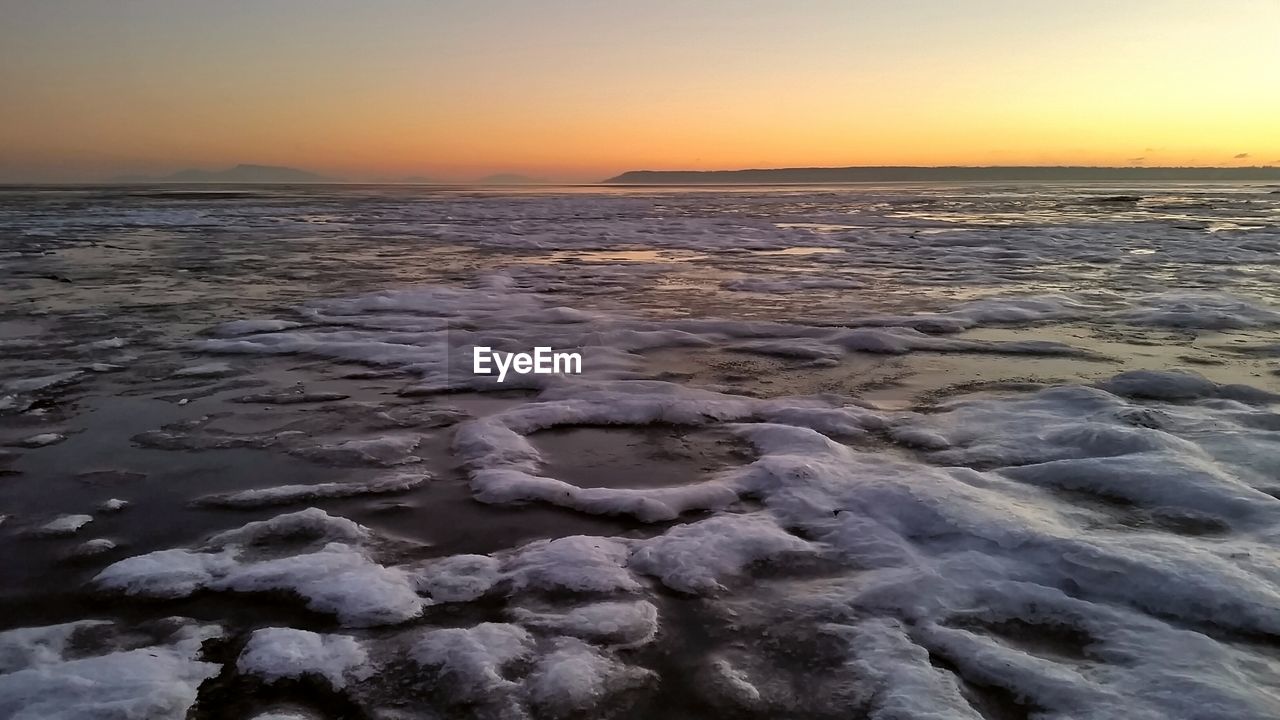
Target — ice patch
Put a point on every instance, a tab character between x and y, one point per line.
625	624
334	574
504	463
90	548
237	328
205	370
113	505
699	557
577	563
276	653
35	646
157	681
64	525
646	505
576	677
459	578
384	451
471	662
42	440
285	494
1180	385
904	683
1201	311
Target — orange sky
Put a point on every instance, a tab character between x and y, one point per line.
581	90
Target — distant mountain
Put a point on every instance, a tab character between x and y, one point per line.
1065	173
509	179
238	174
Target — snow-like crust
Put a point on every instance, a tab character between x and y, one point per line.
699	557
500	666
64	525
574	676
577	563
276	653
625	624
471	661
932	550
1097	550
504	463
205	370
284	494
39	681
334	574
383	451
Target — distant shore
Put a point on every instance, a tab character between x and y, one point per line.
895	173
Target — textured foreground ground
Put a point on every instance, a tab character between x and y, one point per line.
886	452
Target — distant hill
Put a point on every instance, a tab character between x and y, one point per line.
509	179
890	173
238	174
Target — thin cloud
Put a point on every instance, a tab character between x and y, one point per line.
1241	156
1136	161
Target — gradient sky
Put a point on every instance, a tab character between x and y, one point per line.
456	89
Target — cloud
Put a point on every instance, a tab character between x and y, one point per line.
1136	161
1241	156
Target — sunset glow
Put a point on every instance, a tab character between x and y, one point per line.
573	91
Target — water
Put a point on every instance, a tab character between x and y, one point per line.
979	450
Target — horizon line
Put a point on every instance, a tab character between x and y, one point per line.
161	180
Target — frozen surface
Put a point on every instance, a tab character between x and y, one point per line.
900	452
275	653
612	623
332	572
42	680
471	662
396	482
65	525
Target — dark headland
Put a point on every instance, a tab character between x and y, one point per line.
890	173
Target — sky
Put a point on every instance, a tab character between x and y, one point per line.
581	90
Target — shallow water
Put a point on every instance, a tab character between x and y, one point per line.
885	451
